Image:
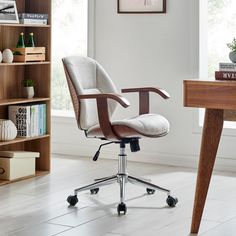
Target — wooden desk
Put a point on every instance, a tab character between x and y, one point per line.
219	99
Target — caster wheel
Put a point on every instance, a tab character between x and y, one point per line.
94	191
121	208
171	201
150	191
72	200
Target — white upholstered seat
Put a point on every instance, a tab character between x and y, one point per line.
149	125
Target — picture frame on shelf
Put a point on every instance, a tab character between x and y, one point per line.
8	12
141	6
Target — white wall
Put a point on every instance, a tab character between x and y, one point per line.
149	50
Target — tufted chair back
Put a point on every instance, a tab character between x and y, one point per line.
85	76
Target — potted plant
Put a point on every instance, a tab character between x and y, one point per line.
232	54
28	85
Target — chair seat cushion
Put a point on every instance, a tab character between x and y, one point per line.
146	125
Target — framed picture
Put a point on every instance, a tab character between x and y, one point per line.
141	6
8	12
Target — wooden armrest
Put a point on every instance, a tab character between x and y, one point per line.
144	96
118	98
103	112
159	91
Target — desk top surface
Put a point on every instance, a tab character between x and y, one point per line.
210	94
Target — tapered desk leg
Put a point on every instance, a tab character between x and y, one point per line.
212	129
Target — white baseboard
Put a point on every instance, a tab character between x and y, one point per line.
169	159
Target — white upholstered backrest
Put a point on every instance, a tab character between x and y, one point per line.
88	77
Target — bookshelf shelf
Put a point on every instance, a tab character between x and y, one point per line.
38	173
12	74
26	25
14	101
26	63
19	140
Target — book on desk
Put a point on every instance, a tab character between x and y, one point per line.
227	71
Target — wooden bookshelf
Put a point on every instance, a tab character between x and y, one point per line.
12	74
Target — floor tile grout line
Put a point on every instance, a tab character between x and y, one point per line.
73	227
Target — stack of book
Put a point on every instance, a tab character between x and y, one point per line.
227	71
33	18
30	120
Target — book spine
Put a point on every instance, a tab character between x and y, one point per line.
20	116
227	67
33	21
32	16
34	121
220	75
41	119
44	119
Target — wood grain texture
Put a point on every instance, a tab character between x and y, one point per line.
210	94
144	103
230	115
12	74
103	111
213	125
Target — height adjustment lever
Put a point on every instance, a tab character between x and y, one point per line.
95	158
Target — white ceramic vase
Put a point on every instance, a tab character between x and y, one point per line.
29	92
232	56
7	56
8	130
0	56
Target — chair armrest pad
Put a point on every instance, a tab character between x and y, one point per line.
118	98
159	91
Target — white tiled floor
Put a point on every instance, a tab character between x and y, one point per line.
38	206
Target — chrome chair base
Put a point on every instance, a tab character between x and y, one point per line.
122	177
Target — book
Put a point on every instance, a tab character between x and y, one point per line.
42	119
34	114
34	21
227	67
19	154
20	116
32	16
225	75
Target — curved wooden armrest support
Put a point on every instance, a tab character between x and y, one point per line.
144	96
103	112
118	98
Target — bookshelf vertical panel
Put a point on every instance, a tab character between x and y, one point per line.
10	36
3	112
42	146
10	82
43	6
20	4
41	75
13	147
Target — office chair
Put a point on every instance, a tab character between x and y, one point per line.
95	97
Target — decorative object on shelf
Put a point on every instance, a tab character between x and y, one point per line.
232	54
21	41
28	85
29	54
8	130
8	12
141	6
17	164
33	18
7	56
31	40
0	56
